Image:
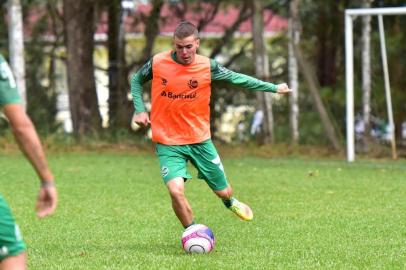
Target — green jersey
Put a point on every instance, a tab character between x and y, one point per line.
11	243
8	87
218	73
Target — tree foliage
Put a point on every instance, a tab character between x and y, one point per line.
322	43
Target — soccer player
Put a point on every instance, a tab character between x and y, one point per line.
180	118
12	247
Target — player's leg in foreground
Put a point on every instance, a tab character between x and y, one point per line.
180	204
17	262
12	247
173	164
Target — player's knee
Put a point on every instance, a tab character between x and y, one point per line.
176	187
176	191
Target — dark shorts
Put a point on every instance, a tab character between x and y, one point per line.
204	157
11	242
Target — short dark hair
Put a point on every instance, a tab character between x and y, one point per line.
185	29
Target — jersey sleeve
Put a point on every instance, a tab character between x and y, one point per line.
8	87
142	76
221	73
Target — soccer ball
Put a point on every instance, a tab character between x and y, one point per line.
198	238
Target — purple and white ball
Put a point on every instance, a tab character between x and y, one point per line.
198	238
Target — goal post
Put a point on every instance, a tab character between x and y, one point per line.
350	16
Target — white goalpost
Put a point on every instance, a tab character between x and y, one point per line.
350	15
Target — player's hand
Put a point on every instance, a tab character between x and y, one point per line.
283	89
47	200
141	119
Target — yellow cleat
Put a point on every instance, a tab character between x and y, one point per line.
242	210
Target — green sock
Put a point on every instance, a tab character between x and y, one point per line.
228	202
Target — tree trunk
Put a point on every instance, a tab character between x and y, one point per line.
314	91
120	109
366	75
152	29
16	47
245	12
328	39
399	81
79	32
262	72
294	38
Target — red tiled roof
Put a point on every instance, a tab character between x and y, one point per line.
223	19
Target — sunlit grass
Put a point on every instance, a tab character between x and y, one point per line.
115	213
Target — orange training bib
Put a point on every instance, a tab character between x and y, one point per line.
180	111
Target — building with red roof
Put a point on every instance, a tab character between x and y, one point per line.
224	18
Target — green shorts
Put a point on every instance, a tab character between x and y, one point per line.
11	242
204	157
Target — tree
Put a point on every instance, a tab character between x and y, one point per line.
120	107
79	32
262	71
293	40
226	41
41	72
16	46
314	87
329	39
366	73
314	91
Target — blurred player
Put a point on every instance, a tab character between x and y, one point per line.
12	247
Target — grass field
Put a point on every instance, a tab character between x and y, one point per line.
115	213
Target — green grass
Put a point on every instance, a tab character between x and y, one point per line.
114	213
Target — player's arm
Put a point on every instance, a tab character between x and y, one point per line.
28	140
142	76
220	73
